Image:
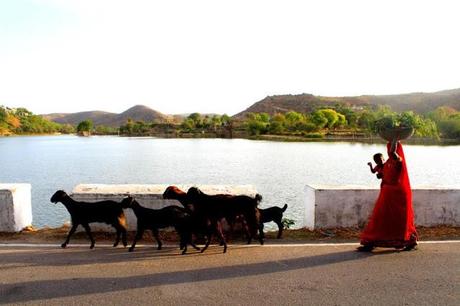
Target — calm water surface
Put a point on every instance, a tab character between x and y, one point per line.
278	170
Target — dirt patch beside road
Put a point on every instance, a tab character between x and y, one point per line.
57	235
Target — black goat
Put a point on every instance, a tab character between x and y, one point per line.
274	214
201	225
155	219
216	207
83	213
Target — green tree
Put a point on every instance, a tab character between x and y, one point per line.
3	114
351	116
188	124
67	129
293	120
216	122
366	120
85	126
319	119
277	124
197	120
331	116
258	123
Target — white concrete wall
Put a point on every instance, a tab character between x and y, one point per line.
309	208
15	207
150	196
349	206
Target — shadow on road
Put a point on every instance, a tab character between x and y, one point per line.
46	289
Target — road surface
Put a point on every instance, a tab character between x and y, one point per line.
257	275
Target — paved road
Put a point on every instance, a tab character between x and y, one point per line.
274	275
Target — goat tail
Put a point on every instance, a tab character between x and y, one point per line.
258	198
284	208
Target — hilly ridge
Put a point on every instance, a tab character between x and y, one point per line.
136	113
303	103
417	102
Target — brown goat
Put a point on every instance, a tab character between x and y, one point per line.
175	193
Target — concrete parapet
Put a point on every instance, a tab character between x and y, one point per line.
15	207
349	206
150	196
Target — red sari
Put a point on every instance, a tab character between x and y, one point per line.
392	221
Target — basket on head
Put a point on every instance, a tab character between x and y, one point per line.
399	133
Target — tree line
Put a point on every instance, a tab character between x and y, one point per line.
364	121
22	121
443	122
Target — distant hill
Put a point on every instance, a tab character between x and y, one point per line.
418	102
136	113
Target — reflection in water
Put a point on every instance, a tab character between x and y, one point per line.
278	170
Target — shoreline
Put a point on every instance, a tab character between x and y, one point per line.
270	137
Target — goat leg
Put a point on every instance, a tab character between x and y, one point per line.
123	238
117	240
261	230
221	235
194	246
121	231
88	232
157	237
280	229
208	241
139	233
261	237
72	230
188	240
183	242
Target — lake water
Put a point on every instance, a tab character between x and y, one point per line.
278	170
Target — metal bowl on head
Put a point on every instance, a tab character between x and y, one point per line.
398	133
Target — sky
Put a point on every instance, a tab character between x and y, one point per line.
220	56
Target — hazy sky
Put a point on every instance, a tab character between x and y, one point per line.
220	56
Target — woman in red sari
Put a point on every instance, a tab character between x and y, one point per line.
391	224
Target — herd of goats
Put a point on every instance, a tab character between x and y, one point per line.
201	216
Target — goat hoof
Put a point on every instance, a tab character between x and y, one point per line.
91	247
115	245
130	249
64	245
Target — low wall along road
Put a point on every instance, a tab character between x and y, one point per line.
15	207
349	206
150	196
324	206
